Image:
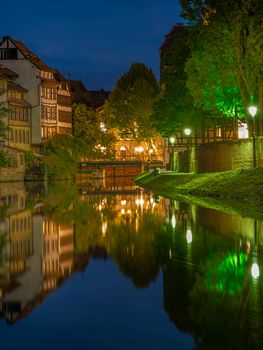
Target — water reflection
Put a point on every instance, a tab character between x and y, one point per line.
211	262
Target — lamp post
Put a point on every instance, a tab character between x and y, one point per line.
187	132
172	140
253	111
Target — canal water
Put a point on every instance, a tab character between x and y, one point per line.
90	266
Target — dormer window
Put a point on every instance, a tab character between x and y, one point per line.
14	94
8	54
46	75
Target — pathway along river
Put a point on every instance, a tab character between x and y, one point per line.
95	267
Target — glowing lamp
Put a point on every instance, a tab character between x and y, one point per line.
252	111
189	236
172	140
255	270
187	131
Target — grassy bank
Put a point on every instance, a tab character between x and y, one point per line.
239	191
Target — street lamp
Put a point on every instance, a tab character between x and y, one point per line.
253	111
172	141
187	132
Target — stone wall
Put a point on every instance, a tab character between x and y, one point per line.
220	156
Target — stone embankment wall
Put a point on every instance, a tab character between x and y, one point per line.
220	156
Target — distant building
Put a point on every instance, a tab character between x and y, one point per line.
92	98
44	88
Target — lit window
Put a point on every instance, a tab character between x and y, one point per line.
242	131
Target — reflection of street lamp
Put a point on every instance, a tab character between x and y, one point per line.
187	132
172	140
253	111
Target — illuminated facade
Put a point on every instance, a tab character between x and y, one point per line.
44	88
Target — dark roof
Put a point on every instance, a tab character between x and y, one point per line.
16	87
98	97
27	53
92	98
79	92
176	30
6	73
17	102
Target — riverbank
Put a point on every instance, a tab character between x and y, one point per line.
239	191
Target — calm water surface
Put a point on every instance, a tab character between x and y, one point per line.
108	266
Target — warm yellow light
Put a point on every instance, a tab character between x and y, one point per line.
255	270
252	111
173	221
122	211
139	149
104	227
172	140
123	202
187	131
122	148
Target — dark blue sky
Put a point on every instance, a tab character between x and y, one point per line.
92	40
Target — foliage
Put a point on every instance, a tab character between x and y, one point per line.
29	158
175	108
4	160
129	106
61	154
3	211
3	127
87	127
225	68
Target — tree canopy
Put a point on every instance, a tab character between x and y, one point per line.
90	127
224	72
129	106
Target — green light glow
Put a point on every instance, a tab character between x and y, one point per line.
228	275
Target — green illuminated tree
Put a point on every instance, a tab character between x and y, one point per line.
174	108
225	68
129	106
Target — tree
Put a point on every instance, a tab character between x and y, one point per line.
174	109
226	65
3	130
61	154
90	127
129	106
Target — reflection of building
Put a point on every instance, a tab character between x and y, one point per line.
58	252
37	254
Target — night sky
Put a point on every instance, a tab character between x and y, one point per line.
92	40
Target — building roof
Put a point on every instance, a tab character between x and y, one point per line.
27	53
176	30
79	92
16	87
98	97
6	73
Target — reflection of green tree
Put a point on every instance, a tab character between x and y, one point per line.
217	301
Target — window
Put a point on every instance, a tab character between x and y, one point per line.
48	93
47	132
49	113
14	94
8	54
18	113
